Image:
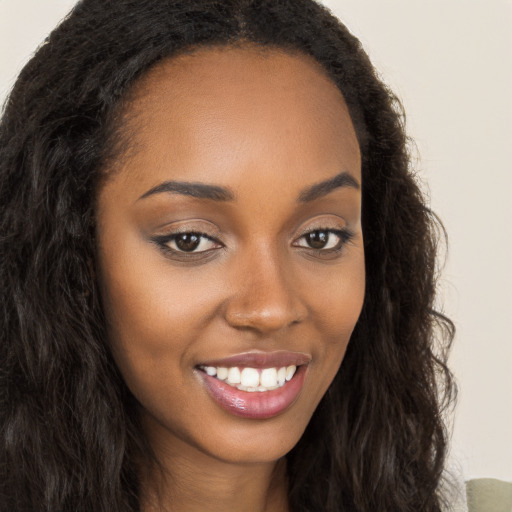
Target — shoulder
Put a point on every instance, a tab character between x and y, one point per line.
489	495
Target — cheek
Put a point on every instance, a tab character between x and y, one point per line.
151	310
156	315
336	297
336	308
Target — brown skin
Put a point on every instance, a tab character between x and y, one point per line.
266	125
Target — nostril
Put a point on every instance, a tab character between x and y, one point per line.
265	298
265	319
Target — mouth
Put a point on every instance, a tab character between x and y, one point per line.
255	385
252	379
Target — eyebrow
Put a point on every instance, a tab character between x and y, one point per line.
198	190
343	179
218	193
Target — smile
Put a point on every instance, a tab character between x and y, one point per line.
252	379
255	385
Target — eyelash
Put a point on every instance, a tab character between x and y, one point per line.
344	235
163	242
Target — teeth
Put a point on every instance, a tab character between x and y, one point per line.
252	379
281	376
222	373
211	370
268	377
234	375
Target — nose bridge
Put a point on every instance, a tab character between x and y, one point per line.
265	297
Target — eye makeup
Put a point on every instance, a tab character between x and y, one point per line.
188	244
325	241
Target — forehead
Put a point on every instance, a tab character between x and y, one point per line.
242	71
265	106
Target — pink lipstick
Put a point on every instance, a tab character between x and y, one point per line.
256	385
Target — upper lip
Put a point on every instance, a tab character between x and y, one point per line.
259	359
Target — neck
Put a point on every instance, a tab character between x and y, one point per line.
187	480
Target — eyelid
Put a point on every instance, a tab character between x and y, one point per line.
332	224
204	229
193	225
174	236
163	244
344	234
324	222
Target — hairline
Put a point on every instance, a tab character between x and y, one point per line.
125	119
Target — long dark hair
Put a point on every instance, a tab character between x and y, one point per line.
70	437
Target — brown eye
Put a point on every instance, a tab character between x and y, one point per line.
324	240
317	239
187	242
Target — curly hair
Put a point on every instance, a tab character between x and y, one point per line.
70	437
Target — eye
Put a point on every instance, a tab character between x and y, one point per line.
324	239
188	243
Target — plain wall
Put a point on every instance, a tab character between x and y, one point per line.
450	61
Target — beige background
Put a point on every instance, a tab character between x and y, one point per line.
451	63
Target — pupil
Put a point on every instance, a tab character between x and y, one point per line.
318	239
188	241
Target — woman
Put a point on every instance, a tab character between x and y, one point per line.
202	203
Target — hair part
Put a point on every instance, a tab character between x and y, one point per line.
70	435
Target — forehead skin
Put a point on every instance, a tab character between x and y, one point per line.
209	95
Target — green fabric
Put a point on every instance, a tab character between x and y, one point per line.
489	495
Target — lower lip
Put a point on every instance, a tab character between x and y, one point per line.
257	404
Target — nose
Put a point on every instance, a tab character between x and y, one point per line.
265	297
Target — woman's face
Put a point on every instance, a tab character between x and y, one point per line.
230	249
